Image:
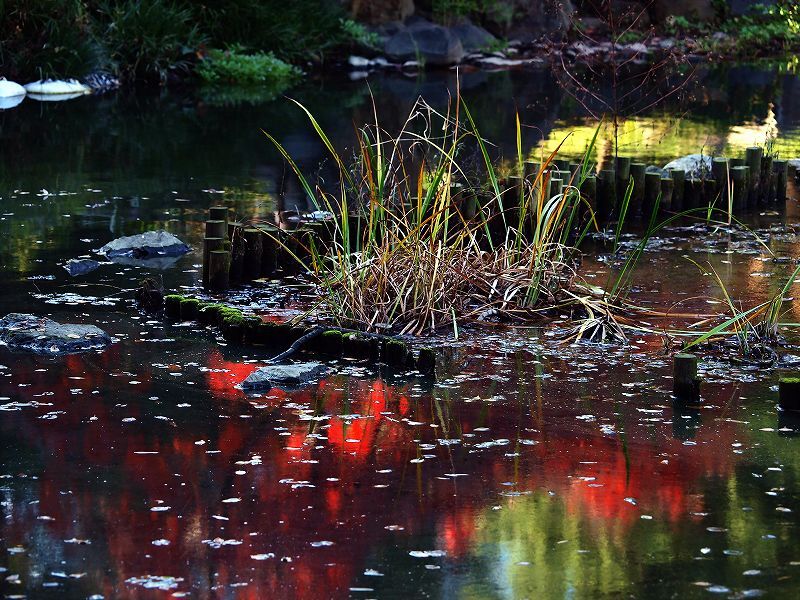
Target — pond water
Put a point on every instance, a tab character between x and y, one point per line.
535	470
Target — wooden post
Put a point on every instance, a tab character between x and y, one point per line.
678	199
606	193
781	170
753	160
531	169
692	193
767	182
562	164
652	190
667	187
217	228
556	186
589	191
209	245
622	167
218	213
685	382
739	184
637	171
253	254
219	263
238	247
789	392
719	171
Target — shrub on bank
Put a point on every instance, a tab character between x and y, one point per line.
234	66
153	39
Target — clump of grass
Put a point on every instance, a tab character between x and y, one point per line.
755	330
235	66
438	247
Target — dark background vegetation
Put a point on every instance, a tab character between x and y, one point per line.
163	40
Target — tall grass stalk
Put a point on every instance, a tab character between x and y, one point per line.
432	255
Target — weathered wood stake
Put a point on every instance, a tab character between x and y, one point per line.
667	188
685	382
219	264
739	185
637	171
652	190
753	160
216	228
209	245
253	254
789	392
678	198
218	213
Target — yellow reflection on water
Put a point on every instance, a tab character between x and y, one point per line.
660	138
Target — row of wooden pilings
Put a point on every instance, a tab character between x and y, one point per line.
234	253
745	183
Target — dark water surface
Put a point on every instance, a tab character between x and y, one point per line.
539	471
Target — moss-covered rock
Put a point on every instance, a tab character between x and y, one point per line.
208	313
172	306
189	308
355	345
330	342
395	353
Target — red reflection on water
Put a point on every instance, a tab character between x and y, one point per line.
279	481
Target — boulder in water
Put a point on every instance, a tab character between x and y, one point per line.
80	266
283	376
695	165
45	336
425	42
147	245
473	38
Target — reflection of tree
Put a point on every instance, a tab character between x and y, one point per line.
351	430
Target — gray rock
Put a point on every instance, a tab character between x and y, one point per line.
472	37
655	169
81	266
45	336
695	165
149	244
425	42
284	376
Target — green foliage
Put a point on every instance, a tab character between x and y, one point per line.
358	34
765	30
152	39
292	30
232	66
149	38
629	37
43	38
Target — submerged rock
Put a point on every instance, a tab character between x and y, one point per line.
81	266
284	376
43	335
695	165
150	244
